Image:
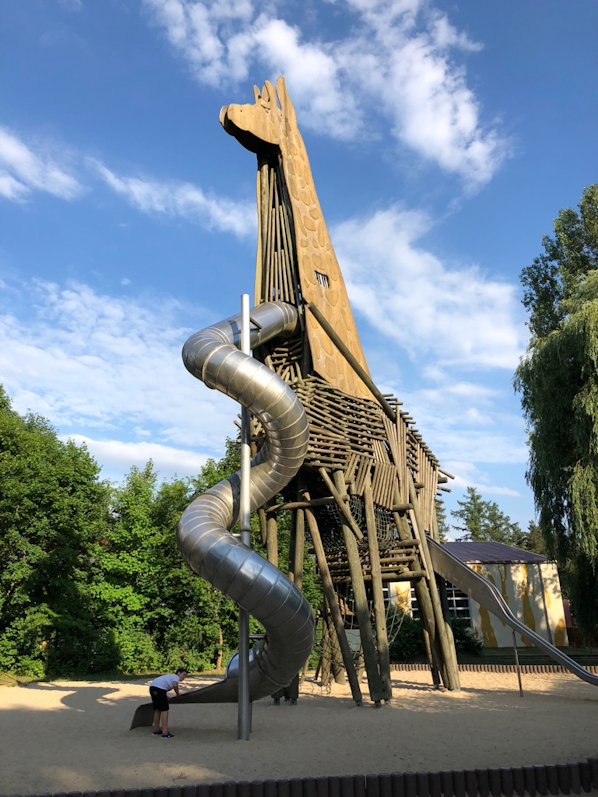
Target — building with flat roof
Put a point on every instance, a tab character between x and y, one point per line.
528	582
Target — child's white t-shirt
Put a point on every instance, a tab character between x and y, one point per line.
165	682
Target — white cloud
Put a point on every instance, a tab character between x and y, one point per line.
467	475
314	76
182	199
115	454
397	62
91	362
458	316
22	171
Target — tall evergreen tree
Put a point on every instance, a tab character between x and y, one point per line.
443	526
483	521
558	382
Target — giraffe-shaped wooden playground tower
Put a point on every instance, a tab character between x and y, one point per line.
366	494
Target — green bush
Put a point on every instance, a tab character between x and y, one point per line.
408	641
465	639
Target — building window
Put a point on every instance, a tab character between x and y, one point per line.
323	279
458	603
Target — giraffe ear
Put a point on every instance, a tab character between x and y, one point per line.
283	98
268	95
256	93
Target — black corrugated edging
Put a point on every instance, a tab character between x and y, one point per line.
525	668
541	780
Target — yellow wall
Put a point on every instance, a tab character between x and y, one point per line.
533	594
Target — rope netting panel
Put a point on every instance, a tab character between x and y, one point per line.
330	522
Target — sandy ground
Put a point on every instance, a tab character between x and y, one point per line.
71	736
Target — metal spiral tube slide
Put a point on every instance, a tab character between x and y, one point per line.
202	533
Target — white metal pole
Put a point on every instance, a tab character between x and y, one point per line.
244	507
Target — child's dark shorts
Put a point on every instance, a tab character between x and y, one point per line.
159	698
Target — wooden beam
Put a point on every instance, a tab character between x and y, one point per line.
336	655
338	497
299	548
359	370
377	594
301	504
333	605
261	513
272	540
447	660
391	576
422	594
402	507
361	606
326	657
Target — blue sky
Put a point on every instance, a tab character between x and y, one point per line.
443	138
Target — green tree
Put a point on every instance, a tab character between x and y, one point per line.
483	521
534	541
53	510
91	579
558	383
162	614
443	526
127	588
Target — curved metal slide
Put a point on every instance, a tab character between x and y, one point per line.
203	536
486	594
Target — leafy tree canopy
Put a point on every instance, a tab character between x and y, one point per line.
53	510
558	383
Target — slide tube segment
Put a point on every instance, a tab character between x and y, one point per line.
204	541
486	594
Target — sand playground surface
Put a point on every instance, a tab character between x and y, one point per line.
74	736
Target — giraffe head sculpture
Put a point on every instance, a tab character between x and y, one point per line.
264	123
268	127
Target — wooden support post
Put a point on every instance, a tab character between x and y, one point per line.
447	661
344	350
422	594
361	605
441	584
261	513
444	601
432	660
338	496
360	663
377	594
336	654
299	548
292	537
272	539
334	607
325	659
